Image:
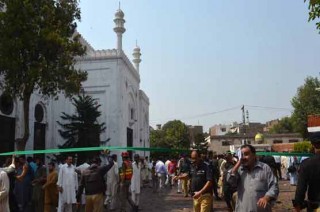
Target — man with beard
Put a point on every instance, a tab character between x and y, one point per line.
256	185
67	186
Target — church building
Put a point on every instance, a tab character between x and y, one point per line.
113	80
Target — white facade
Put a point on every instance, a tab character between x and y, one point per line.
115	83
222	129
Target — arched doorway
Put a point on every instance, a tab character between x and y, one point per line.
7	125
39	138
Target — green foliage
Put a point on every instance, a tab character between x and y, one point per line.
306	102
38	46
174	134
303	147
229	133
82	128
314	11
200	143
285	125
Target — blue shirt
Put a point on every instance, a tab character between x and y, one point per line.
160	168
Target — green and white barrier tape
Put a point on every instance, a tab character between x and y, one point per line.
117	148
85	149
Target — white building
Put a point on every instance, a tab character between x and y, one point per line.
222	129
112	79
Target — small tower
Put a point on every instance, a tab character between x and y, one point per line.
119	28
136	57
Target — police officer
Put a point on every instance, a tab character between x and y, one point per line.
309	180
201	183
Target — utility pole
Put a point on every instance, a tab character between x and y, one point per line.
247	112
244	125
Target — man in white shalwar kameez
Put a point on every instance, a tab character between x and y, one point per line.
112	184
4	192
136	182
67	185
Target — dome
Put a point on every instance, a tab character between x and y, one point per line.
259	137
119	14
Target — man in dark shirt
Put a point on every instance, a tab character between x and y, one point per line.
228	189
309	179
201	183
183	167
92	180
213	163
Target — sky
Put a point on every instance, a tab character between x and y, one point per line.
202	60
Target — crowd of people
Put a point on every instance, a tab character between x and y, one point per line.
245	181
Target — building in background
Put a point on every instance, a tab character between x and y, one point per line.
221	144
113	80
270	125
223	129
193	132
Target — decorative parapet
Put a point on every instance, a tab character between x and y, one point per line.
85	43
100	55
110	54
144	96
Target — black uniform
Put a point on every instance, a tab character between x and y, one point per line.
213	164
199	176
309	179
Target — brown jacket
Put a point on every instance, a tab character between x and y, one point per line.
51	189
92	180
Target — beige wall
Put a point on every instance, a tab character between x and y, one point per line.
221	144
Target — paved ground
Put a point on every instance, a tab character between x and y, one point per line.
170	201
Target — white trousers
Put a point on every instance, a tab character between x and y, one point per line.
64	207
135	198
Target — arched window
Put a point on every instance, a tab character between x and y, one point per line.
6	104
38	113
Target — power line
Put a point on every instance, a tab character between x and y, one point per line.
269	108
207	114
212	113
226	110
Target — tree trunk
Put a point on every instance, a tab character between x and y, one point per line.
21	142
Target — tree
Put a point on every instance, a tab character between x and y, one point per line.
173	135
305	102
38	46
314	11
82	128
176	134
200	143
302	147
157	139
285	125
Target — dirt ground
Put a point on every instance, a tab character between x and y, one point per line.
171	201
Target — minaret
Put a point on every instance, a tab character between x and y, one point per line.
136	57
119	28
